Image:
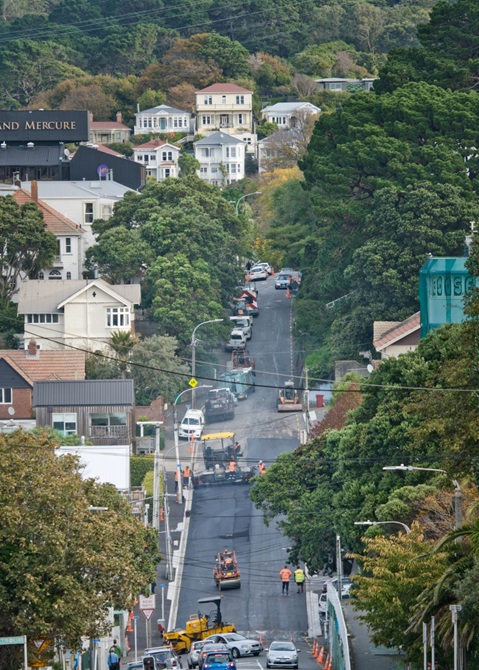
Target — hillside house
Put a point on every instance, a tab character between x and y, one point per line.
288	115
227	108
221	158
163	119
159	157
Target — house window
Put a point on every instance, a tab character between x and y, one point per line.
88	213
149	173
146	158
106	211
206	120
223	99
180	123
139	158
240	99
108	425
5	396
69	275
150	124
214	169
240	119
117	317
68	245
208	100
152	157
233	168
203	170
42	318
205	153
175	122
167	172
66	424
335	86
54	274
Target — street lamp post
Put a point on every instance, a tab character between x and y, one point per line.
193	354
379	523
179	495
454	610
457	488
246	195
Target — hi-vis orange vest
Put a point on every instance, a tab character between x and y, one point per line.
285	574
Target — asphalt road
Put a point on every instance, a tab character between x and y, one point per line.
223	516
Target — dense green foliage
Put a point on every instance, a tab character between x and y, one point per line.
139	466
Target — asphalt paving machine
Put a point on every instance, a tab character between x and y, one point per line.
226	573
288	400
198	627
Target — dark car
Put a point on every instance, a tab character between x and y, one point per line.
219	405
210	647
219	660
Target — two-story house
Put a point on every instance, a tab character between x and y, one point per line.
68	263
159	157
228	108
82	313
109	132
163	119
221	158
288	115
344	84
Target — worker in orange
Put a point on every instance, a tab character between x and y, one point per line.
285	575
186	476
262	468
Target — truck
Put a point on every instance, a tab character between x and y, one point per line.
288	398
220	404
241	381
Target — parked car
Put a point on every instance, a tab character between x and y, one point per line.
239	645
282	281
282	653
208	648
346	585
194	654
323	603
266	266
192	425
219	660
237	340
257	273
164	657
245	323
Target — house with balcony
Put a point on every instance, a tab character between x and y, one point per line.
109	132
227	108
159	157
288	115
81	314
68	263
101	410
221	158
163	119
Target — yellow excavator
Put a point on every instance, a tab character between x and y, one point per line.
288	400
198	627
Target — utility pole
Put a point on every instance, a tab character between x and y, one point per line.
339	567
156	481
306	395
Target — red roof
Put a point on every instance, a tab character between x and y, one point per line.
398	331
224	88
107	125
153	144
48	365
55	222
107	150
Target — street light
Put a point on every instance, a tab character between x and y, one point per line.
457	488
246	195
193	354
179	493
379	523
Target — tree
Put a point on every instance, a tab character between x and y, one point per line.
156	369
188	165
122	343
62	565
182	96
25	245
92	98
120	255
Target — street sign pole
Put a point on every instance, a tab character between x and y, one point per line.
25	657
135	619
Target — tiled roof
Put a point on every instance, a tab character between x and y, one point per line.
224	88
398	331
107	150
107	125
55	222
380	327
154	144
48	365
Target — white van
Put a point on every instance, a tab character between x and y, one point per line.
192	425
244	322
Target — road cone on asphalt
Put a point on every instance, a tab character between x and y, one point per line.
320	656
129	628
288	293
315	648
329	663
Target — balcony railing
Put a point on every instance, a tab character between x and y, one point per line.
109	432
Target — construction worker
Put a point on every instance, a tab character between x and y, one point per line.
262	468
299	578
232	468
285	575
186	476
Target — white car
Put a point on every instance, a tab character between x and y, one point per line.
192	425
237	340
244	323
266	266
257	273
282	653
239	645
194	654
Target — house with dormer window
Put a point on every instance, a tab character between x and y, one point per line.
81	313
160	158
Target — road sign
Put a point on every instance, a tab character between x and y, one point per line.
148	605
18	639
42	643
193	383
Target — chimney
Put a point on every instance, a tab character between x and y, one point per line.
32	349
90	114
118	117
34	190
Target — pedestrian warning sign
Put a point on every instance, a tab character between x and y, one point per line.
193	383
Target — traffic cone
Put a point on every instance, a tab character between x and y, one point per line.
129	628
288	293
272	271
329	663
320	657
162	516
315	648
261	639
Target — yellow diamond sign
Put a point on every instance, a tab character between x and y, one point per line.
193	383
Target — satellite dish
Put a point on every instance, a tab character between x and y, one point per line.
11	411
370	368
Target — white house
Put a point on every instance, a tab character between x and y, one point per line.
81	201
226	107
163	119
288	115
279	150
82	313
109	132
160	158
221	158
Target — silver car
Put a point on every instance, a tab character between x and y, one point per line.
239	645
194	654
164	657
282	654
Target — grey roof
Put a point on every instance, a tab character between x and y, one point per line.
78	189
218	138
338	79
23	156
37	296
287	107
83	393
282	136
163	108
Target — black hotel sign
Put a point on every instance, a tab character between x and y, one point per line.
44	126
